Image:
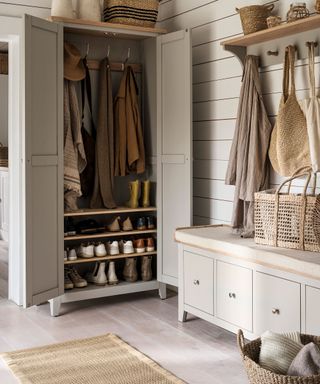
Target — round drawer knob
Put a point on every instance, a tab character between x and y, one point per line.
196	282
232	295
276	311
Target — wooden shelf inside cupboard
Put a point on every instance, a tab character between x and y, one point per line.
278	32
114	257
93	291
89	27
120	210
109	234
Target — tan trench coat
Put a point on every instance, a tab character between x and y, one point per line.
129	141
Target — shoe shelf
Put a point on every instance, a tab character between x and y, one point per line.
110	234
117	211
93	291
114	257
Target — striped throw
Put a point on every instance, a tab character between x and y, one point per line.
278	351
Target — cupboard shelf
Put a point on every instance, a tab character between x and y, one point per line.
110	234
88	27
114	257
278	32
120	210
93	291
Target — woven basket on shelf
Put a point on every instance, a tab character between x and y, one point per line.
257	375
142	13
254	17
288	220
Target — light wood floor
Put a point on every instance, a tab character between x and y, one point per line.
196	351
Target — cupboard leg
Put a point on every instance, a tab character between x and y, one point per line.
55	305
163	291
182	315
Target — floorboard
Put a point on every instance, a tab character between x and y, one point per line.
196	351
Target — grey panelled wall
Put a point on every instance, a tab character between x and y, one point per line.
216	88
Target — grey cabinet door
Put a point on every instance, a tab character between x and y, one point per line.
43	62
174	147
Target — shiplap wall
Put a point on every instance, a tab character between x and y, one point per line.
216	88
217	81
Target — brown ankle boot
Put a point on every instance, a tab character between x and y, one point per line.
130	273
146	268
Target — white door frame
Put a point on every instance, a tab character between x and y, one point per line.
11	32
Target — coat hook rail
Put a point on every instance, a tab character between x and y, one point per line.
94	65
273	53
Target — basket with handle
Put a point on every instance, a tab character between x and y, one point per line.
131	12
250	353
288	220
254	17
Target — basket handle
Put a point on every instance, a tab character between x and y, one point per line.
308	173
269	7
241	341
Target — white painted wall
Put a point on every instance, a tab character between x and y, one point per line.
216	88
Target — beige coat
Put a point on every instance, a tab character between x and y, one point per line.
129	141
248	164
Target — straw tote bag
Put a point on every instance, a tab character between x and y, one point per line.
289	146
311	108
288	220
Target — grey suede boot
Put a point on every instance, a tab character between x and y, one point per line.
130	273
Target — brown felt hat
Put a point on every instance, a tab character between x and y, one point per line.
73	65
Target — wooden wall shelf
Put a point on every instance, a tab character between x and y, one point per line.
107	29
281	31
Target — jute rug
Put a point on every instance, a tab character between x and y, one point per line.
98	360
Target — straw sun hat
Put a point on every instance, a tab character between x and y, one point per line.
74	69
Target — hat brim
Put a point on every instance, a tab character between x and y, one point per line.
74	73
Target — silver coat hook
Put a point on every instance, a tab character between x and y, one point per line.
108	52
88	50
127	59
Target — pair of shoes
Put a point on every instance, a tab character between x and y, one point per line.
144	223
130	273
134	187
72	279
70	255
91	250
115	225
144	245
99	277
69	227
126	246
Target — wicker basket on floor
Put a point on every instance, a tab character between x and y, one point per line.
254	17
288	220
257	375
142	13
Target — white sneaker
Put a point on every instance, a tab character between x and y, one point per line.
91	276
86	252
101	277
72	255
113	248
65	257
100	250
126	247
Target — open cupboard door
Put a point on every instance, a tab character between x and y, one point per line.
44	160
174	147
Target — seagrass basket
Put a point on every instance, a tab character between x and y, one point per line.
288	220
254	17
142	13
250	353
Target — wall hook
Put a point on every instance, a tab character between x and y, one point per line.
315	43
108	51
273	53
127	59
88	50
